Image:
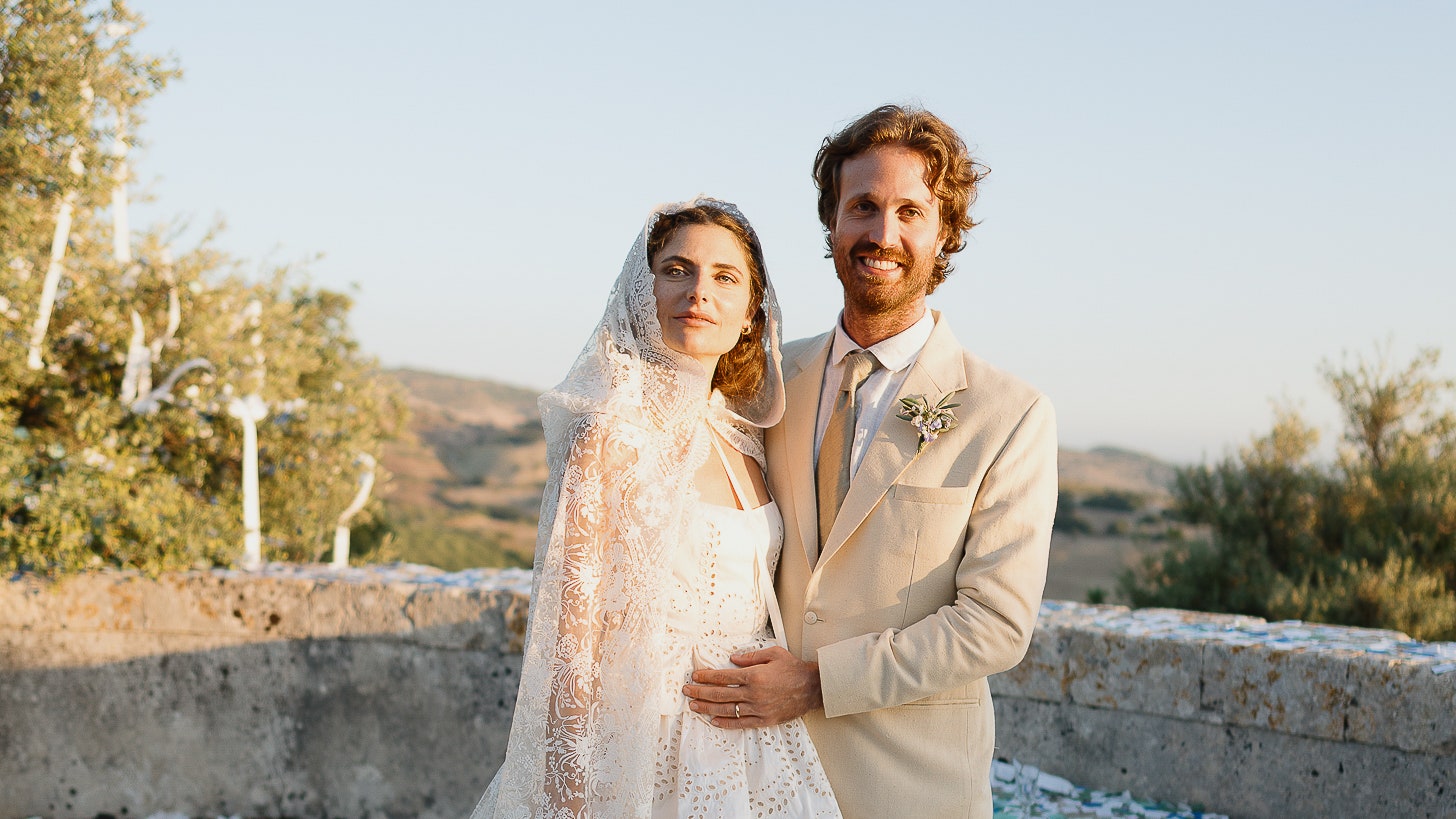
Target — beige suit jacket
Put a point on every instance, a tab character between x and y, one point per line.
930	580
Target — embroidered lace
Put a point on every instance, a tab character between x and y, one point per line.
626	431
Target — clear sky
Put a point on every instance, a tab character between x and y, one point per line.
1191	206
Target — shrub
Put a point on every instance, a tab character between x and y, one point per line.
104	460
1369	540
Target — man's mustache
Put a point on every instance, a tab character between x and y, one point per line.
864	247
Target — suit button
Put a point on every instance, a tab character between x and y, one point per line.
810	617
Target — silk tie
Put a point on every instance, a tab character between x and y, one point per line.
832	472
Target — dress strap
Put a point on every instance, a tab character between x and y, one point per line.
727	467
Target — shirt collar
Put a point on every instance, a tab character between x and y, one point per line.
894	353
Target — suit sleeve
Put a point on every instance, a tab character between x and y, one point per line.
987	628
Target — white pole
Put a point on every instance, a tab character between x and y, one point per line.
341	532
250	411
58	251
120	228
138	360
53	270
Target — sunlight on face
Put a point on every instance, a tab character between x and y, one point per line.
701	281
886	233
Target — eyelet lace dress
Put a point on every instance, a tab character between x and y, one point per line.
636	580
720	602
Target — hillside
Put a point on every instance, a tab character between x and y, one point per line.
467	477
1122	470
467	480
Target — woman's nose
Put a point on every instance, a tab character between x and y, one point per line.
698	293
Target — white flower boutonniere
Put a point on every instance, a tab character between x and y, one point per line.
928	419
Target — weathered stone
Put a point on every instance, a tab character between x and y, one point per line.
36	648
1042	674
1246	773
20	607
313	695
262	607
1292	692
448	617
1151	676
211	712
343	609
86	602
1403	705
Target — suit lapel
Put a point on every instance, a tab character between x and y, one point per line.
801	390
937	370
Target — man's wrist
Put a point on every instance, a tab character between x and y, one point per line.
816	687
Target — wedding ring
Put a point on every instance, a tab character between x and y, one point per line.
736	714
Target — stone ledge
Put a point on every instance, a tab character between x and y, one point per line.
114	683
1322	682
208	608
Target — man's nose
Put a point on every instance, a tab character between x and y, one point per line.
884	230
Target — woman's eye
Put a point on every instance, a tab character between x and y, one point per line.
727	278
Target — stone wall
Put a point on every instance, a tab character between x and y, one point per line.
297	693
1249	718
223	694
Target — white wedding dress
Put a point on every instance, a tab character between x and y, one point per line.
720	602
636	581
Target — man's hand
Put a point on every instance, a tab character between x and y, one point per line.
769	686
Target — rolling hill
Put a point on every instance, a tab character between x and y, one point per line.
467	478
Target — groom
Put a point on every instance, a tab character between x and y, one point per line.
915	550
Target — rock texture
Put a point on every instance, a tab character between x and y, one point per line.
301	692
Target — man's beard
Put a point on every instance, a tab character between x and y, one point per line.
874	296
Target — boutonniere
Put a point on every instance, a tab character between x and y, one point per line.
928	419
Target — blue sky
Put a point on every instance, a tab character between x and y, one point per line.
1190	207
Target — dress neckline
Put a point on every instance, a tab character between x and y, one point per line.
738	493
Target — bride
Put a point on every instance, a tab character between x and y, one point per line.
657	547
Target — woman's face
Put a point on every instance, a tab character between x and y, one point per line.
701	280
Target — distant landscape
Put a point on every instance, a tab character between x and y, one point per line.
466	480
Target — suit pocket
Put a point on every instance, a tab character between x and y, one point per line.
932	702
949	495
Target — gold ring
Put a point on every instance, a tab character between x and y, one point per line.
736	714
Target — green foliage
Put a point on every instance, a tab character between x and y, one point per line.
1367	541
1067	521
423	537
1114	500
87	479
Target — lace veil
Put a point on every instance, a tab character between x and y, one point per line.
625	434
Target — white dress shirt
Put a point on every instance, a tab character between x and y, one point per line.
877	393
